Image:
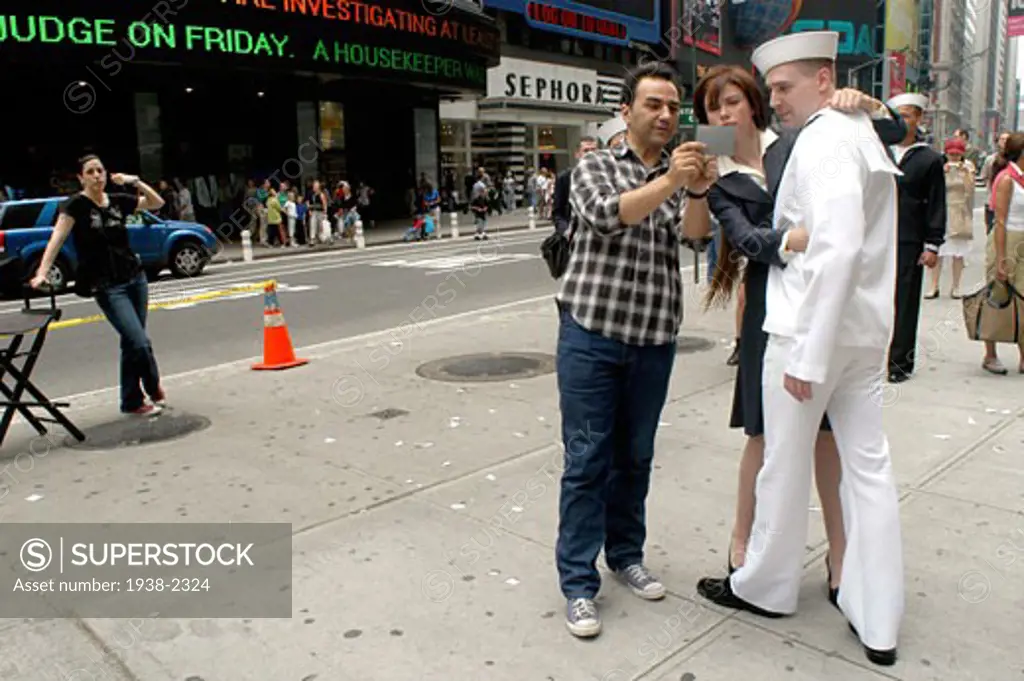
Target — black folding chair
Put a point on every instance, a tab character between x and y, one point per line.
16	327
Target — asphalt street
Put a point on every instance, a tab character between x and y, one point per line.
324	297
206	321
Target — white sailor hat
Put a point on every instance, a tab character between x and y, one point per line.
610	128
803	46
909	99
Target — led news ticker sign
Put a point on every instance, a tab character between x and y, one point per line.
612	21
558	18
316	35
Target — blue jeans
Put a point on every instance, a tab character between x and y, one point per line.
125	308
611	398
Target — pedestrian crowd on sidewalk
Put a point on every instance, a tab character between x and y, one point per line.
828	305
283	216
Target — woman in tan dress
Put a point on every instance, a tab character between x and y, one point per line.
959	216
1004	257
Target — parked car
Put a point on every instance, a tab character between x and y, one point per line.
25	228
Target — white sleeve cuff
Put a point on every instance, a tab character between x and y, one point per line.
784	254
931	247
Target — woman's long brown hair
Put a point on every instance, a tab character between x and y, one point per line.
728	274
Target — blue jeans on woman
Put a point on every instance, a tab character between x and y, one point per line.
125	308
611	398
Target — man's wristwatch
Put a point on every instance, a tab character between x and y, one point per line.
695	195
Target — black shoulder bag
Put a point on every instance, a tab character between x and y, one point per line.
556	250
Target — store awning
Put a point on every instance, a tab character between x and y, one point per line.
500	108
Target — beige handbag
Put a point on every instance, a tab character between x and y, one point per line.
992	316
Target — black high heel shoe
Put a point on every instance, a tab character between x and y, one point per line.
833	593
883	658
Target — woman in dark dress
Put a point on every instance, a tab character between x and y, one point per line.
111	272
742	202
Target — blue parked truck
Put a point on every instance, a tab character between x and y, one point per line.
26	225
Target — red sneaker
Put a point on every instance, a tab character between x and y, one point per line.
160	399
146	410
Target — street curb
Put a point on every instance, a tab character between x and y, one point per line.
220	259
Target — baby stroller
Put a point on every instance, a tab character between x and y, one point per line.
422	227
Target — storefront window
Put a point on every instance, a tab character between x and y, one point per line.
453	134
425	124
552	138
548	147
332	126
147	127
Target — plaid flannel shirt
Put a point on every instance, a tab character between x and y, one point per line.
623	281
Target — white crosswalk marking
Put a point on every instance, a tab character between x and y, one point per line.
167	296
456	262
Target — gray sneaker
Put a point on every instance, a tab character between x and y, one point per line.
581	617
642	582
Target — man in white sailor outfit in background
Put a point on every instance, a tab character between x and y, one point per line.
829	319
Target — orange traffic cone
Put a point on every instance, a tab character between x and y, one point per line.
277	344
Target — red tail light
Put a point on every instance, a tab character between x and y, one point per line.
3	242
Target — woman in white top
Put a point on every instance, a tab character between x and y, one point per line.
543	200
959	216
1004	257
186	211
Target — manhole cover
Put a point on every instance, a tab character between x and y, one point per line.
487	367
686	345
132	431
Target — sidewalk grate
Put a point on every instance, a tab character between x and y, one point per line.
488	367
133	431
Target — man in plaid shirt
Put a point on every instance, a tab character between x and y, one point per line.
620	304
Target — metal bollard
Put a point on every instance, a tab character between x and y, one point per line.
246	245
533	220
437	223
455	225
360	237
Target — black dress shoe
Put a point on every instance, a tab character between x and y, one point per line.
883	658
719	592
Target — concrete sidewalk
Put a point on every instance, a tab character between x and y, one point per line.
389	232
424	543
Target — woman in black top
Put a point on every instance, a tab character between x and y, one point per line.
111	272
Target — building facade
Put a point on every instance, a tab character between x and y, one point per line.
218	93
560	75
952	39
991	44
860	41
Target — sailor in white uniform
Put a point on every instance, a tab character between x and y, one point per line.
829	319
